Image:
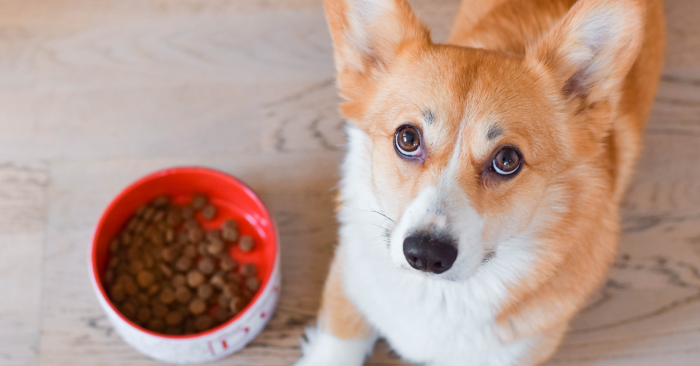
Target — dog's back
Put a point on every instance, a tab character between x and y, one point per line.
512	25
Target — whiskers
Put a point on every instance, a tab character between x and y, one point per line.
383	215
386	227
487	256
371	210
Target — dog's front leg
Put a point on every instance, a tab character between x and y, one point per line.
342	337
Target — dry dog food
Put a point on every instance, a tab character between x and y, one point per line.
169	275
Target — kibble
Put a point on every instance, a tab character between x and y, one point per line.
168	254
249	269
126	239
228	264
157	325
131	288
252	283
173	318
138	241
218	281
195	234
221	315
172	330
165	270
118	294
183	294
153	289
109	275
183	264
234	277
145	278
136	267
213	234
168	274
148	214
133	224
215	247
237	304
231	290
203	322
114	246
209	212
197	306
187	213
224	300
178	280
229	224
229	230
202	249
246	243
148	261
159	216
204	291
195	278
144	315
128	310
199	201
161	201
174	217
190	326
190	251
133	253
206	266
159	309
141	227
167	296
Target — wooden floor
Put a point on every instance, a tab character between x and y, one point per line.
96	93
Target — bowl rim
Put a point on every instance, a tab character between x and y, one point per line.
92	255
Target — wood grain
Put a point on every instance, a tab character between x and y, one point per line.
22	213
96	93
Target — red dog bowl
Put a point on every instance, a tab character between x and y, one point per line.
234	201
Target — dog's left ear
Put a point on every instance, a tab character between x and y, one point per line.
592	49
367	35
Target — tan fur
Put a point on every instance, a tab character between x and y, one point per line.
338	315
579	151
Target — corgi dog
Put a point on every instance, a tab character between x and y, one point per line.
479	199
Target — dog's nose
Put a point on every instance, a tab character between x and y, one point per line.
428	253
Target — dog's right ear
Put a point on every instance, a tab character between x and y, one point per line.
593	47
367	35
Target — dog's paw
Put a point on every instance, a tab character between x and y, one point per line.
323	349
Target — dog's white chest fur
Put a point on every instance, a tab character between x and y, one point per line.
437	322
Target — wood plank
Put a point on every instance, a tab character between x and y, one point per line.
22	213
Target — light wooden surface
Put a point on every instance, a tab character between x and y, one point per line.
94	94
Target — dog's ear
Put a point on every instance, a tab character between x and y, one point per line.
367	35
592	49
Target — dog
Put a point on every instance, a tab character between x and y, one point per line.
479	199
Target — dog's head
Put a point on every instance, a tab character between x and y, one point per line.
466	143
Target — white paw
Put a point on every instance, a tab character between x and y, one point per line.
323	349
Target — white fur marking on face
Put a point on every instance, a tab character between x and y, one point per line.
450	321
445	209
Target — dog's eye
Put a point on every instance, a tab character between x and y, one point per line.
407	140
507	161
